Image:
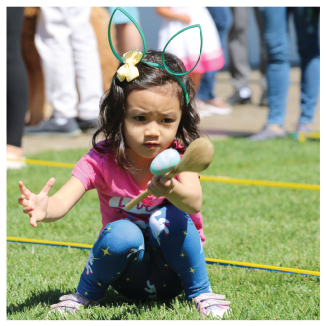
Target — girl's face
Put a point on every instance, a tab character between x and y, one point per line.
151	122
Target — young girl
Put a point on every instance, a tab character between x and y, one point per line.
155	249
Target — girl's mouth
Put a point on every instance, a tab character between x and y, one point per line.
151	145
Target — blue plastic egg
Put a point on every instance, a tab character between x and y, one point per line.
165	162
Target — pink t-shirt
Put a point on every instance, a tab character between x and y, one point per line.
116	188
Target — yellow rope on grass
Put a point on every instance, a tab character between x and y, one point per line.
208	260
260	183
289	185
43	163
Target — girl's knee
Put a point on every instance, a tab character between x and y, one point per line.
120	236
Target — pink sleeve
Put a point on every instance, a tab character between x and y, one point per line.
198	221
89	170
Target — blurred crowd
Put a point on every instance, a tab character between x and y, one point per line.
67	45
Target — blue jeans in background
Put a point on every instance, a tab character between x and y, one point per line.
275	30
222	20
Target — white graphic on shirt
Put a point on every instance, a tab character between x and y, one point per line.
140	208
201	246
151	289
157	226
89	262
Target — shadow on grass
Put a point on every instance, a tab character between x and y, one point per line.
111	299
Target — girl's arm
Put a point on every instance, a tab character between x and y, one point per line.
42	208
167	13
185	194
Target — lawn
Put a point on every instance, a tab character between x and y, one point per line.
262	225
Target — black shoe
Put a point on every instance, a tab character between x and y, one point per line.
88	126
237	99
264	99
50	128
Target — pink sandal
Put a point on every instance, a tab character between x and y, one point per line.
71	302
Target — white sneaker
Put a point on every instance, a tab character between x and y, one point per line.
214	109
202	110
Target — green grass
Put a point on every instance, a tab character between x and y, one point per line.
263	225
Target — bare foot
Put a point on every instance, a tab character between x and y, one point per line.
15	151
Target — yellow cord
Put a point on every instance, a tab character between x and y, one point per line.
202	178
260	183
208	260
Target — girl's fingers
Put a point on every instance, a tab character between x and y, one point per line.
165	181
32	222
48	186
151	183
28	209
24	190
22	201
155	180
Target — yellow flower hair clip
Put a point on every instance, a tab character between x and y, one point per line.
129	71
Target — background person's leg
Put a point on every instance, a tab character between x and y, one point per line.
128	38
307	27
205	93
220	17
17	86
274	26
238	57
263	61
222	22
17	83
86	61
52	40
127	35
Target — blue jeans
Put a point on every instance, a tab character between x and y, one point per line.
275	30
163	264
221	17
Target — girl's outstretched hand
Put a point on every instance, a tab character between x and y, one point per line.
35	205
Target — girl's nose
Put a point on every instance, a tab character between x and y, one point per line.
152	129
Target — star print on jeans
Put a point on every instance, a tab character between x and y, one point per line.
106	251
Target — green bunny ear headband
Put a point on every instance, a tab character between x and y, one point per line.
129	72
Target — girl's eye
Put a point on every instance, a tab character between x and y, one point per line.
167	120
140	118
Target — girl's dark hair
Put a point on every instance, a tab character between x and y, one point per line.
113	104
